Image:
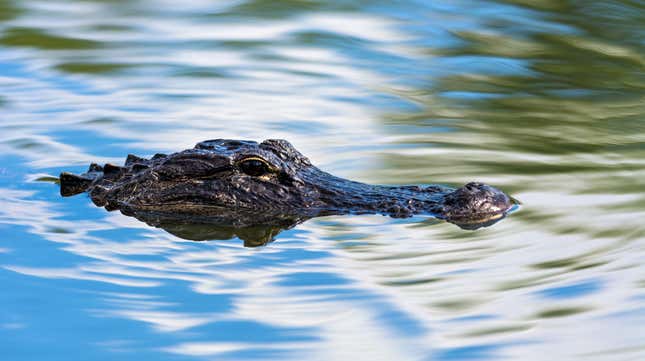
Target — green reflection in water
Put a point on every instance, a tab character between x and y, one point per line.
9	10
113	27
413	282
458	304
59	230
92	68
32	37
104	121
562	312
26	143
578	93
564	118
197	72
524	282
498	330
274	9
614	351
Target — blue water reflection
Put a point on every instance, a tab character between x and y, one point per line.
579	289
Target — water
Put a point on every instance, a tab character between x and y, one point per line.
543	99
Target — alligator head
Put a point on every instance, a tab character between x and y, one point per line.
246	184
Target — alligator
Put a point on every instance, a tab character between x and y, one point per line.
243	185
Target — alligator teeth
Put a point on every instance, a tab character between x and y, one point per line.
131	159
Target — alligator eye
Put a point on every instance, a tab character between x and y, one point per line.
254	167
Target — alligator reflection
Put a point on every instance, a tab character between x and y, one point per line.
213	227
243	225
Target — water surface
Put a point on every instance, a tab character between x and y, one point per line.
543	99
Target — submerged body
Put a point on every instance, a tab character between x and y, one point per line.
246	184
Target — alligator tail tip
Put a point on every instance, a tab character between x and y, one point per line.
72	184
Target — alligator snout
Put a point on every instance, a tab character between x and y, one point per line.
475	203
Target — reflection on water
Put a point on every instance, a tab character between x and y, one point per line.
197	228
543	99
